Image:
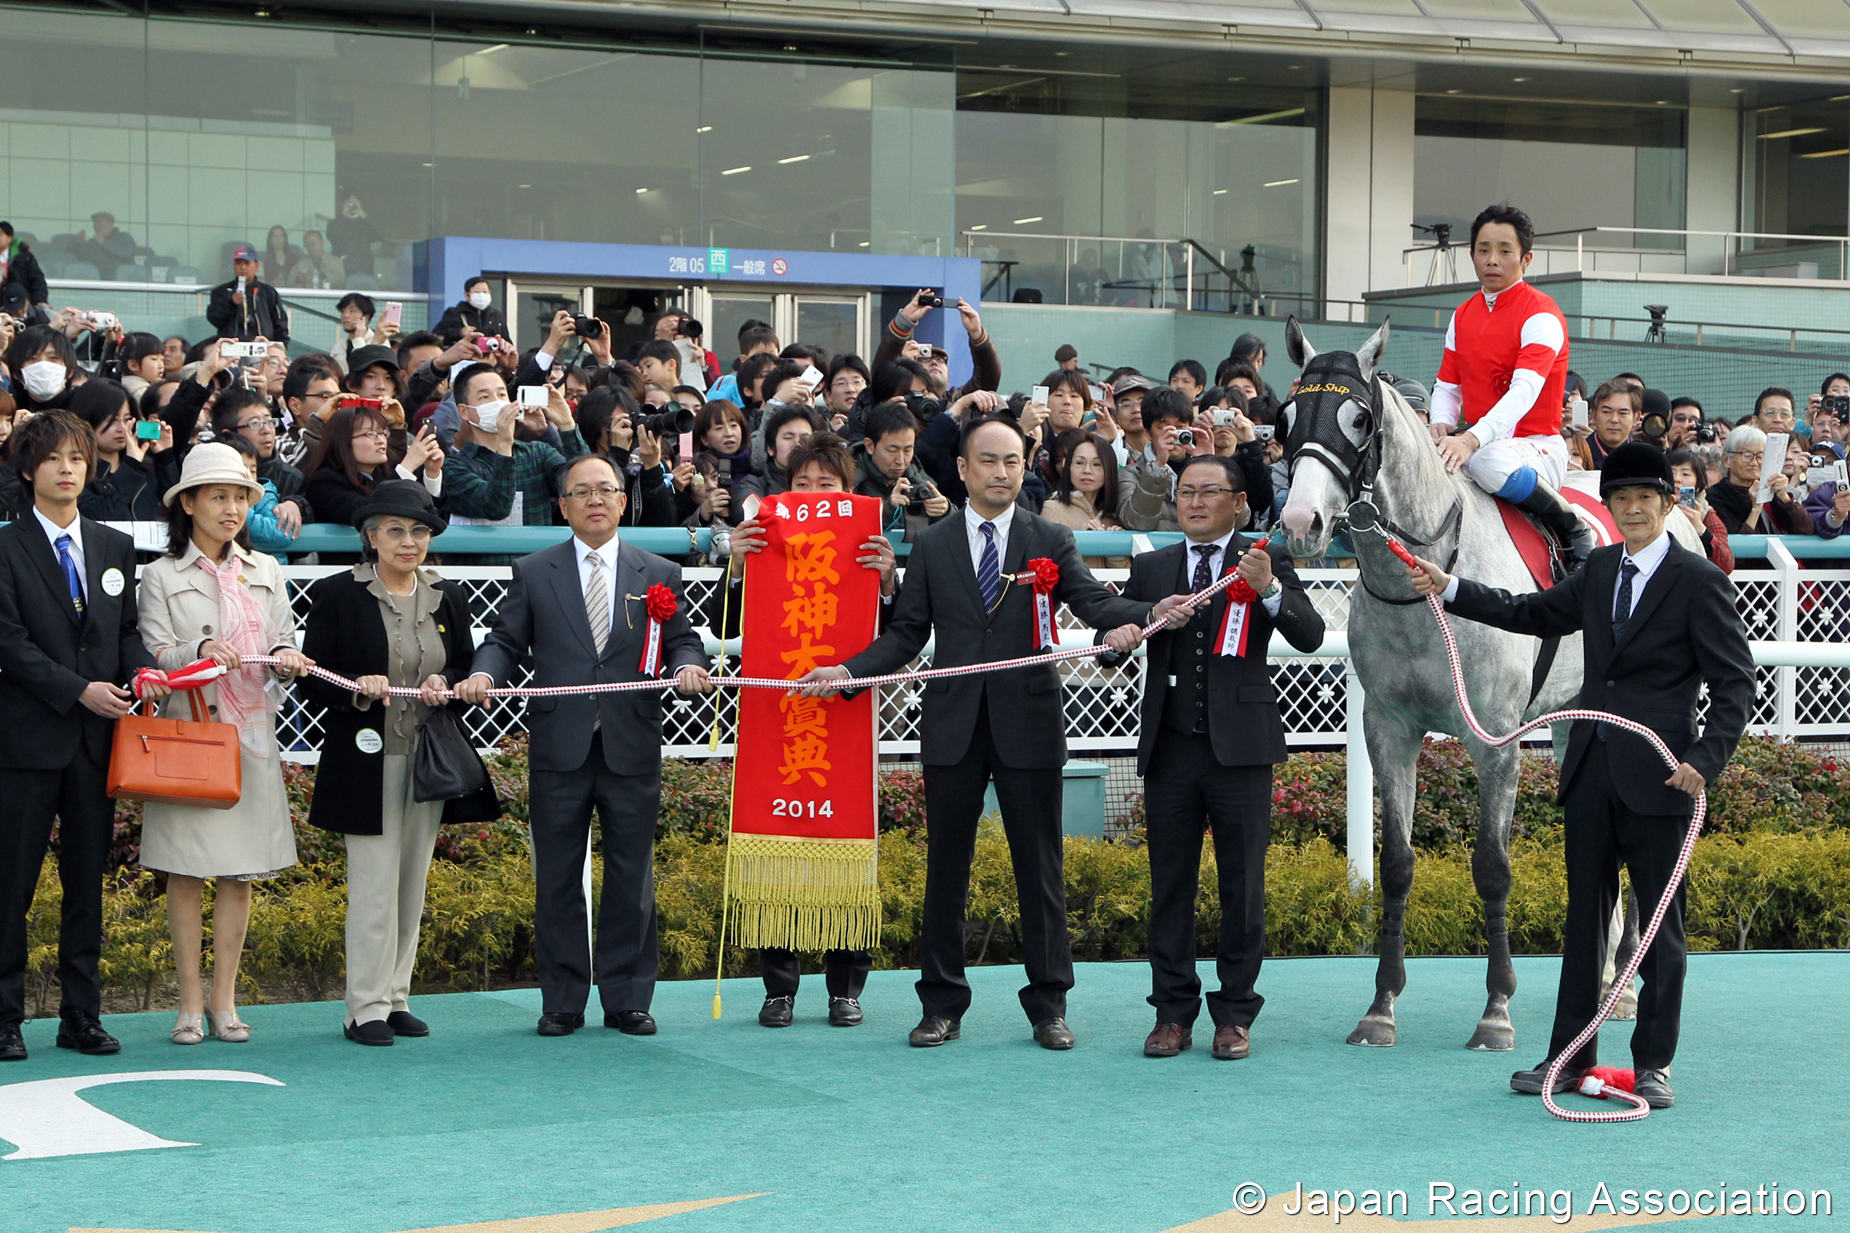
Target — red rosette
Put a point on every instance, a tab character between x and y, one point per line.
1044	574
660	603
1240	591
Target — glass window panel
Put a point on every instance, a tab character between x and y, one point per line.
832	325
1807	18
1800	162
730	312
1595	13
1709	16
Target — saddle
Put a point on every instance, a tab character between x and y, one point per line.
1540	550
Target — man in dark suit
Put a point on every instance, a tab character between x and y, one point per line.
578	609
68	642
1210	735
961	585
1658	622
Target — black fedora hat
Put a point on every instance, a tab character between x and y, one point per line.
1636	464
401	499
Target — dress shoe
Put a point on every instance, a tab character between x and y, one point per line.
1529	1082
189	1028
1654	1086
560	1023
404	1023
372	1032
1167	1040
933	1030
228	1028
1231	1042
777	1011
631	1022
1053	1034
844	1012
12	1045
84	1034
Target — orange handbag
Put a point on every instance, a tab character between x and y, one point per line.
176	761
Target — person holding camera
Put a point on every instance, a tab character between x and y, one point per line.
1211	734
985	362
243	308
612	426
132	470
884	468
1613	418
1693	505
491	476
476	314
722	462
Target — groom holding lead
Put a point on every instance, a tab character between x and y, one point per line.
972	580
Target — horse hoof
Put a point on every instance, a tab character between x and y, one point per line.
1373	1031
1492	1038
1627	1006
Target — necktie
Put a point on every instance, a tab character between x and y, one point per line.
1203	554
71	578
597	602
1622	611
989	569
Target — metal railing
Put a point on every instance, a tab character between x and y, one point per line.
1739	255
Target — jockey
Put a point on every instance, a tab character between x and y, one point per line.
1503	376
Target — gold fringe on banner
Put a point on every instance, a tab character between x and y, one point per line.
806	894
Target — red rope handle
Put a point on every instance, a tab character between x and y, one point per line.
1640	1109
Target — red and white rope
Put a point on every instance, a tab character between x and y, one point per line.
1639	1108
196	676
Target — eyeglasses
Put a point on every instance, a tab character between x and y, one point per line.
397	535
584	492
1203	494
1755	456
259	425
376	434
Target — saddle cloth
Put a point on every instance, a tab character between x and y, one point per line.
1539	551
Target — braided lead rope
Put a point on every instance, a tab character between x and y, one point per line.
1590	1087
751	682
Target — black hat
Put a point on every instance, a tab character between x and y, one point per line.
401	499
366	357
1636	464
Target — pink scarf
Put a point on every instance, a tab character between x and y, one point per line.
243	699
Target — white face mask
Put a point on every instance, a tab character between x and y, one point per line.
488	416
478	299
44	378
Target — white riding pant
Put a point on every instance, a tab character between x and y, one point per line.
1510	467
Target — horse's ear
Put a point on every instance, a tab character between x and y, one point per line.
1368	355
1296	345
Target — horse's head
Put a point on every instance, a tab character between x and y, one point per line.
1329	426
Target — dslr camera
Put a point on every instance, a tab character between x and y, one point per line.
924	406
587	327
669	422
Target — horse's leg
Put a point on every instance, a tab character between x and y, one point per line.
1394	749
1497	771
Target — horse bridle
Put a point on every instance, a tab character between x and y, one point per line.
1331	381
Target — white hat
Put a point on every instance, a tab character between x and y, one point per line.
213	463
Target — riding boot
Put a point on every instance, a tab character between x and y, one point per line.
1552	510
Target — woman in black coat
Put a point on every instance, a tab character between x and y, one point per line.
386	623
475	312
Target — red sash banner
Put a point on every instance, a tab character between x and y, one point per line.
805	823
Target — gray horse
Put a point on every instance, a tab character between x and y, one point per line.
1346	433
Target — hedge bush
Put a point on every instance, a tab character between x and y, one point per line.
1774	872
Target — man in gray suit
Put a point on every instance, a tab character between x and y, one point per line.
1003	727
578	610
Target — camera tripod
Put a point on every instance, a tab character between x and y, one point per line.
1444	256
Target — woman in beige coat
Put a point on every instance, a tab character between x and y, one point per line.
213	597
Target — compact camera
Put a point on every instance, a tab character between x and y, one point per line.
1185	437
928	300
1223	418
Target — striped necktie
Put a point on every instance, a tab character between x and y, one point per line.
597	602
989	569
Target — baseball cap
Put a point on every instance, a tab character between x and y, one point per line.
1131	381
244	252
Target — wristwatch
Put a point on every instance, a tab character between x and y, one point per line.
1271	591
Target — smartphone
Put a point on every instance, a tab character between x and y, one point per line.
1038	394
1578	408
811	378
150	430
535	395
394	313
1686	497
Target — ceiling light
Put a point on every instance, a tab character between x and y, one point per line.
262	12
1736	90
1519	79
980	227
733	171
1220	192
862	244
1060	54
1294	67
641	191
1789	132
795	158
1454	90
704	128
1279	183
526	186
1826	154
1035	219
1663	102
790	46
1236	79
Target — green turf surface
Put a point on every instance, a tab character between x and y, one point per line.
849	1129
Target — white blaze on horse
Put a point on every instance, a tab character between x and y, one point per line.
1361	458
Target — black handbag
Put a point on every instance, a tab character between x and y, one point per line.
447	767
